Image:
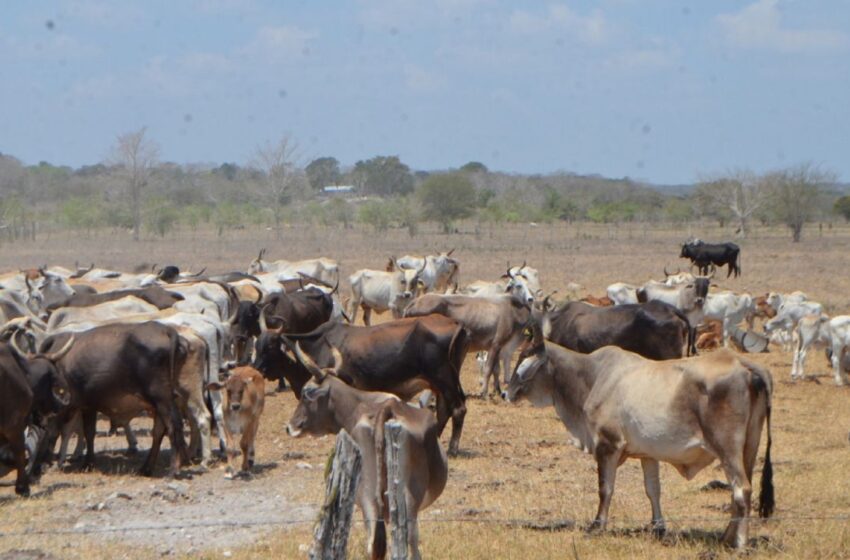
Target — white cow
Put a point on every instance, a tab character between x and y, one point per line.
815	331
326	270
728	308
380	290
64	318
527	276
621	293
439	272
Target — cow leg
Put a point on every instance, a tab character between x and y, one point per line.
450	404
218	411
736	532
352	310
412	531
156	441
491	367
201	421
652	485
247	445
367	316
132	442
89	429
607	461
17	445
74	426
481	360
839	376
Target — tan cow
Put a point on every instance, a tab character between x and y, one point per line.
328	405
244	393
687	412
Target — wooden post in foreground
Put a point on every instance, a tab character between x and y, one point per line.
394	444
330	537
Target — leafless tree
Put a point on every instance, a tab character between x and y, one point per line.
741	192
279	163
136	156
796	193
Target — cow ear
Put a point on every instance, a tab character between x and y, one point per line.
215	386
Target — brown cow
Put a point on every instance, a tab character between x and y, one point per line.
244	393
603	301
329	405
710	335
687	412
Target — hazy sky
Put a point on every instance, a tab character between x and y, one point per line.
661	90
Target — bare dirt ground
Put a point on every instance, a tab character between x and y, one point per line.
517	490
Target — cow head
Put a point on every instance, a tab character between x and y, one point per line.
234	388
531	378
518	287
51	393
244	325
406	283
269	358
314	415
52	288
258	265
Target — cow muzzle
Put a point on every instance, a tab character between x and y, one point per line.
504	395
235	406
293	432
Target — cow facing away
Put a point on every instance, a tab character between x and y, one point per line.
705	255
328	405
687	412
244	392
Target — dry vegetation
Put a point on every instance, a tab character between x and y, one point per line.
518	487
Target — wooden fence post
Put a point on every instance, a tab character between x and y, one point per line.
330	537
394	444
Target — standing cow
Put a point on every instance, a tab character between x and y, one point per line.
380	291
719	254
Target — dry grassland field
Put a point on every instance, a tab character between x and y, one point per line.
518	490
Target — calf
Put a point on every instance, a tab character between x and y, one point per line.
328	405
244	392
728	308
710	335
821	331
622	294
685	412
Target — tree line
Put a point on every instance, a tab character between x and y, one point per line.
135	190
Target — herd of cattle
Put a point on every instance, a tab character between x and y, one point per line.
197	348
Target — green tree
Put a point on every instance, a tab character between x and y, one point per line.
81	213
795	193
160	216
323	172
474	167
383	176
377	214
339	211
842	207
446	198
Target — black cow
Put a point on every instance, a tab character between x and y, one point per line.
122	370
31	392
402	357
719	254
655	330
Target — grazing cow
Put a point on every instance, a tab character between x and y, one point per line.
31	389
718	254
326	270
654	329
728	308
381	291
686	412
494	325
124	369
687	298
244	393
439	272
790	313
402	357
622	294
328	405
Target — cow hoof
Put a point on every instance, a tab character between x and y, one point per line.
658	529
148	471
131	451
596	527
22	491
250	463
228	475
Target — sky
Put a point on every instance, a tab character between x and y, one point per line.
658	90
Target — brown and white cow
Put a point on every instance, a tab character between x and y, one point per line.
687	412
328	405
244	392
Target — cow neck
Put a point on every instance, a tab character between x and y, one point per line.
345	402
574	375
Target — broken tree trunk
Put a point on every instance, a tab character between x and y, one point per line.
330	537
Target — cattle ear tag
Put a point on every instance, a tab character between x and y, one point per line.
528	333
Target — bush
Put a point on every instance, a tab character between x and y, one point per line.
446	198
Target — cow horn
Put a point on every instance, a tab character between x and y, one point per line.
259	297
263	325
233	315
308	363
262	252
449	254
18	351
58	355
198	273
153	268
336	288
666	274
337	357
713	271
390	265
509	273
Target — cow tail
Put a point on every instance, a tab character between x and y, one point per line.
379	545
691	332
457	352
767	500
738	263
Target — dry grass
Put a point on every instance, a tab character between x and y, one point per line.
516	464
